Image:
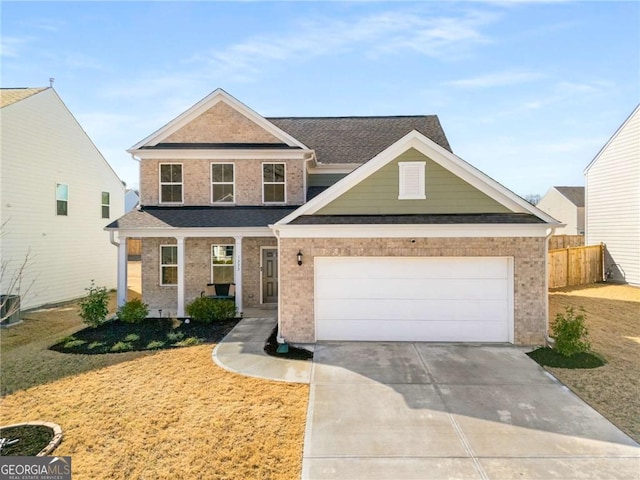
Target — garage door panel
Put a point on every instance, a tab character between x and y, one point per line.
414	298
408	330
399	288
420	310
412	267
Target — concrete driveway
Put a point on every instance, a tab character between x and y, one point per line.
425	411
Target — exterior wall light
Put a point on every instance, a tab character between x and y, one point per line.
299	257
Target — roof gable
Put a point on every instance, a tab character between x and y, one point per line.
218	119
417	141
574	194
635	115
9	96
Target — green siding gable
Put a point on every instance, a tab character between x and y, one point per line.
445	192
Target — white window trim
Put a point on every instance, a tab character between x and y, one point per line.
274	183
167	265
62	200
403	168
226	264
223	183
161	183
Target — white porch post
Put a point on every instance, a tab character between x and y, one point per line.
238	274
180	241
121	295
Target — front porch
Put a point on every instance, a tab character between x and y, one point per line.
174	271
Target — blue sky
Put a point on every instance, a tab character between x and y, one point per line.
528	92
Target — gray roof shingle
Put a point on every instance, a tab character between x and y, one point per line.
357	139
574	194
201	217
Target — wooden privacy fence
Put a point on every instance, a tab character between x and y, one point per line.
565	241
575	266
134	247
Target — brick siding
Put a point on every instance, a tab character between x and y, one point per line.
297	282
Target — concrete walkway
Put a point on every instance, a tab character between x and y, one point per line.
436	411
242	351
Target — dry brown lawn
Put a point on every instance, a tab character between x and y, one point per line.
613	319
168	414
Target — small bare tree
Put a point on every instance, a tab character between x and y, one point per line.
533	198
13	282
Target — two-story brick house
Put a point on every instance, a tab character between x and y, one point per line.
364	228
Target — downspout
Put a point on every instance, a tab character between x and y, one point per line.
112	238
547	338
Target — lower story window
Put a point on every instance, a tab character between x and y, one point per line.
168	265
222	264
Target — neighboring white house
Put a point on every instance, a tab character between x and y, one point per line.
57	192
613	201
567	205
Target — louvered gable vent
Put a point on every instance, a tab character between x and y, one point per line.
411	181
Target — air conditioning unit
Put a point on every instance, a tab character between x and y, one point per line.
9	310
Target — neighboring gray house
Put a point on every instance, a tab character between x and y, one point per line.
567	205
57	192
613	202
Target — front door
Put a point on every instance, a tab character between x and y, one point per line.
269	275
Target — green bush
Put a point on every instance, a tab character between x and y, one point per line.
93	307
570	332
121	347
207	310
133	311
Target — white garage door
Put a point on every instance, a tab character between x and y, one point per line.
438	299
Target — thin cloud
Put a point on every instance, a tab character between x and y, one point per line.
11	46
380	34
500	79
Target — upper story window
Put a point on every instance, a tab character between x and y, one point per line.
105	205
168	264
222	183
62	199
412	184
273	183
171	183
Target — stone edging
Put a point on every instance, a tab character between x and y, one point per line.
55	441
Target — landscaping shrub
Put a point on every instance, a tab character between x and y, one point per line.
133	311
93	308
570	332
207	310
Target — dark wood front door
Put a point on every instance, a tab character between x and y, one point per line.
269	275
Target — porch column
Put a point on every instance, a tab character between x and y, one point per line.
121	295
238	275
180	312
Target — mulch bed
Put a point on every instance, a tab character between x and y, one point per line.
294	353
151	334
552	358
32	439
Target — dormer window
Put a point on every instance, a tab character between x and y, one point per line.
171	183
412	184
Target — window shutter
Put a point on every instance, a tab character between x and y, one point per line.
412	184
